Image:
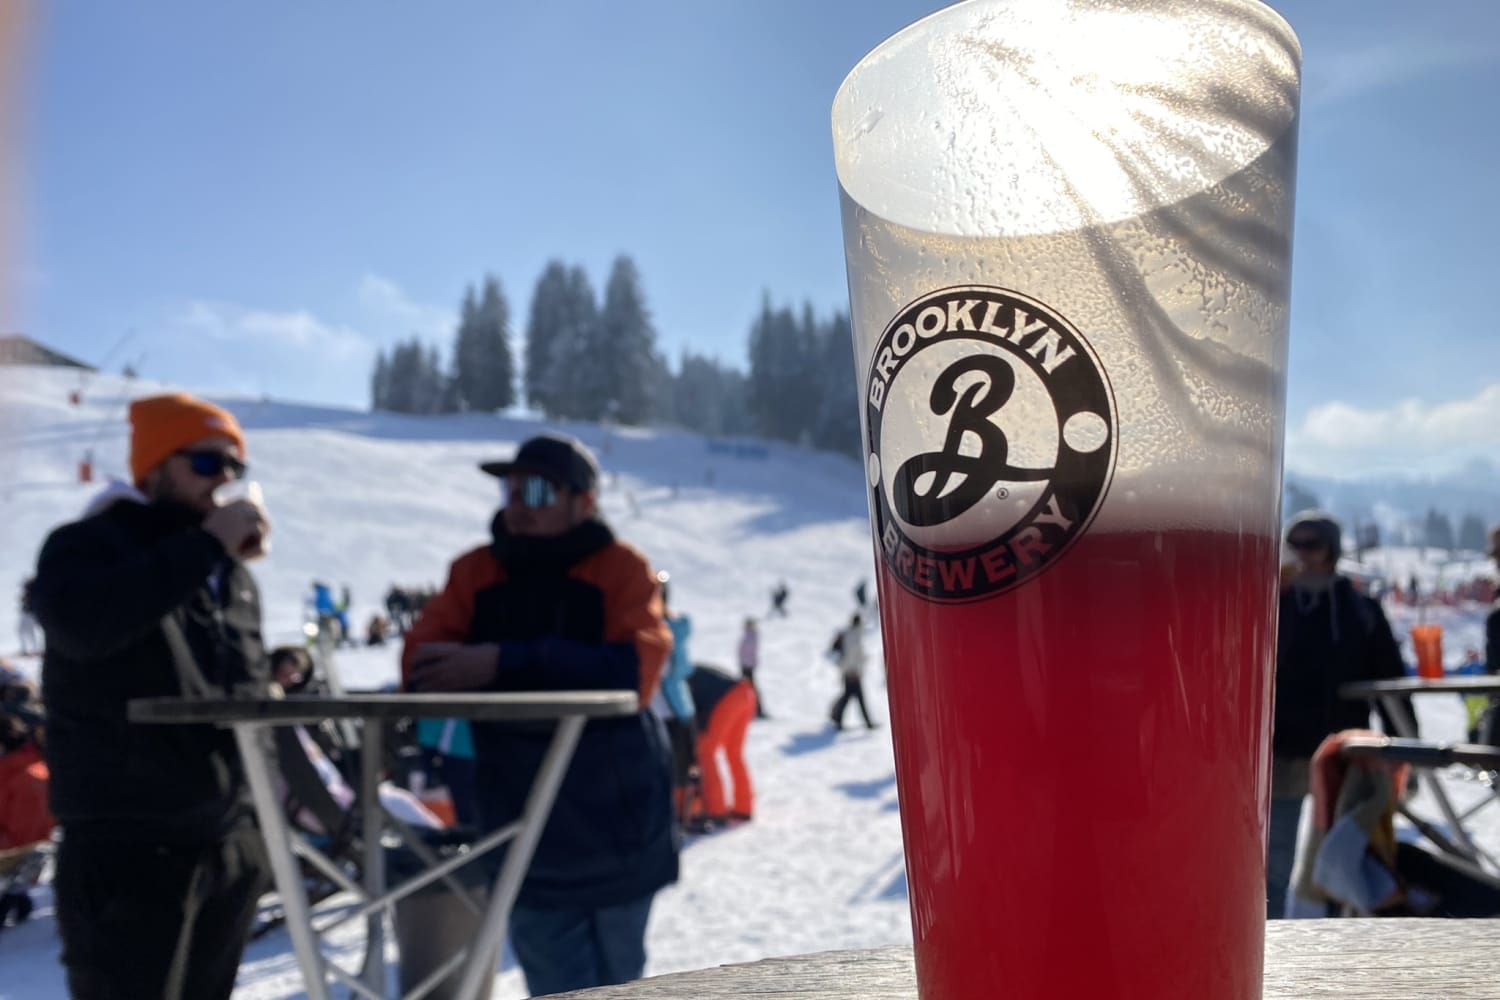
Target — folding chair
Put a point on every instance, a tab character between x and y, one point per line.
1353	858
1457	848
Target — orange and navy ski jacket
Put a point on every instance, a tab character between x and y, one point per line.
596	623
581	611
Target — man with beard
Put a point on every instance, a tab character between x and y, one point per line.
554	603
161	865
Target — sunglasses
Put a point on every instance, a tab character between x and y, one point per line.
532	491
210	464
1304	544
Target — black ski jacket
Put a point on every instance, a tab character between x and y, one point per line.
1324	641
139	601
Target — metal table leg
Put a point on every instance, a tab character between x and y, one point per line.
371	750
549	778
1407	726
283	864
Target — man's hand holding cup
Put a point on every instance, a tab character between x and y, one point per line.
240	522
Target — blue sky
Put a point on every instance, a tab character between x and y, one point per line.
267	193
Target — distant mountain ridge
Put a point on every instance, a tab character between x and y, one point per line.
1394	502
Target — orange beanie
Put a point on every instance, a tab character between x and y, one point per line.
160	425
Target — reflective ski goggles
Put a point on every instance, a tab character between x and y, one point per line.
211	464
531	491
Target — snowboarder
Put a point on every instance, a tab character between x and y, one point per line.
778	599
848	651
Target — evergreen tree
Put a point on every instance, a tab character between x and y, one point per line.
780	362
413	381
494	316
1439	530
660	388
402	377
546	322
580	381
434	384
837	426
466	351
482	365
709	397
379	383
1471	534
627	346
734	403
697	394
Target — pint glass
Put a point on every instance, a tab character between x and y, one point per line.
1067	227
1427	641
257	545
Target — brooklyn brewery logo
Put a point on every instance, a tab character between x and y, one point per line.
991	428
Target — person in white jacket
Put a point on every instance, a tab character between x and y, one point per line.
848	650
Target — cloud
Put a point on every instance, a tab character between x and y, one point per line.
1339	439
1344	76
298	330
395	313
293	353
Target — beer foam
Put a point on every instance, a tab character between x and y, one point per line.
1185	496
1000	118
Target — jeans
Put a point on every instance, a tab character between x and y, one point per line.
562	950
1286	815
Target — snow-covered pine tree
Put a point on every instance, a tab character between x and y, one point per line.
467	366
544	325
836	421
482	363
581	378
380	382
627	346
402	377
1472	535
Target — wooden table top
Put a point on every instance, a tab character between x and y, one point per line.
1394	959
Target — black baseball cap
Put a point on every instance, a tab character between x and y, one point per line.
565	460
1321	526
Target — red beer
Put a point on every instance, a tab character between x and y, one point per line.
1072	758
1067	226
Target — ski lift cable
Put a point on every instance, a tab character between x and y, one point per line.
85	375
116	416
